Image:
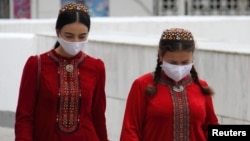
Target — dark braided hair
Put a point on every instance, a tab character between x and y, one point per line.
205	90
151	90
173	45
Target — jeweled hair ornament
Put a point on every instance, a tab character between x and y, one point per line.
74	7
177	34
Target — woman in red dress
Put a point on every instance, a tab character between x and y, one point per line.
172	103
62	92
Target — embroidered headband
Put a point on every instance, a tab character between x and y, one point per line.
74	7
177	34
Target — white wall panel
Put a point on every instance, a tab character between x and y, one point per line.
128	47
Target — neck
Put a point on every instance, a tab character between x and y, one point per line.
61	52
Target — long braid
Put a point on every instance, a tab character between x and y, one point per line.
205	90
151	89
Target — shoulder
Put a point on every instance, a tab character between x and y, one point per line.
31	64
203	82
44	56
96	63
144	79
32	60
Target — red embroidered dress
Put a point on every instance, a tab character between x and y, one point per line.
70	104
168	115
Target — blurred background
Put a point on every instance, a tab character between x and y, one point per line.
125	34
108	8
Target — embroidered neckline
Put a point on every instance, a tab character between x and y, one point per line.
177	87
181	115
69	92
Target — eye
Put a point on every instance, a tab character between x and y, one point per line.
173	63
69	36
185	62
82	37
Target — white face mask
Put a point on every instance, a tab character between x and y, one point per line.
176	72
72	48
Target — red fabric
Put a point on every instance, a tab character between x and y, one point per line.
151	119
40	124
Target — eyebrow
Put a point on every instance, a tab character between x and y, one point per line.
73	34
186	60
174	61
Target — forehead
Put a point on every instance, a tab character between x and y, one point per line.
178	56
75	28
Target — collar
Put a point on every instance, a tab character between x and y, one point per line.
176	86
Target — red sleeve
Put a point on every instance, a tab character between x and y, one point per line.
211	118
26	101
134	114
99	103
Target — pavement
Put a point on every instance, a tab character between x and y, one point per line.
6	134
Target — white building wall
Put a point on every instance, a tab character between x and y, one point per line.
126	8
128	47
15	47
45	8
134	8
41	9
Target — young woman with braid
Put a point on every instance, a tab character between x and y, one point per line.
65	100
172	103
